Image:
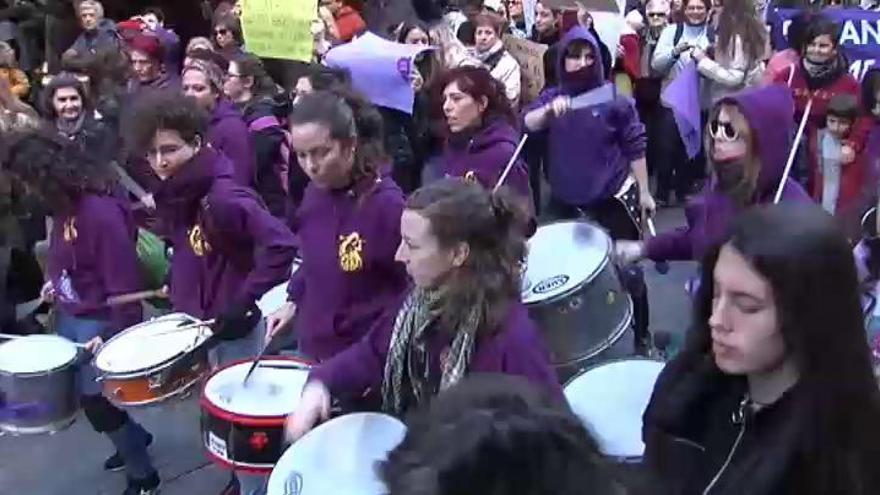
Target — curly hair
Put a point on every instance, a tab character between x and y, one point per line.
56	169
493	225
496	435
478	83
162	109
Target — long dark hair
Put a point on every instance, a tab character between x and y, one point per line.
347	116
738	19
809	264
56	169
478	83
493	226
251	66
496	434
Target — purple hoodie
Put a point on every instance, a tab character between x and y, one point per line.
484	156
590	150
335	307
229	134
517	349
228	249
769	111
92	256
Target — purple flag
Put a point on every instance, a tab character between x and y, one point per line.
380	69
682	95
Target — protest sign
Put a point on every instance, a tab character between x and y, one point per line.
682	96
860	34
530	56
279	28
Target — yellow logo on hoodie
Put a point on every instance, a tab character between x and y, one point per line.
351	248
197	241
69	229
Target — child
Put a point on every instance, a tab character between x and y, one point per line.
18	81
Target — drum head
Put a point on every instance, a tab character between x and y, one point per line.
149	344
36	353
563	256
273	300
314	466
610	399
272	390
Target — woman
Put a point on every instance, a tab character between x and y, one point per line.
67	105
490	51
822	72
679	40
92	257
463	247
739	53
257	97
413	33
228	249
148	67
481	137
348	225
228	39
202	81
444	451
764	399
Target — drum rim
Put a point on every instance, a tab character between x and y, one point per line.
614	337
865	218
576	288
51	371
149	370
612	361
227	415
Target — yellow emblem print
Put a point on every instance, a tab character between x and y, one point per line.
197	241
470	176
69	229
351	248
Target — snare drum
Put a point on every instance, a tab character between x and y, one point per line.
869	224
272	300
338	457
152	362
38	382
611	398
243	424
573	293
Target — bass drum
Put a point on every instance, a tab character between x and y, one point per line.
573	293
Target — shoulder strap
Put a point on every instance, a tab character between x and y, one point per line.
710	33
264	123
493	60
679	32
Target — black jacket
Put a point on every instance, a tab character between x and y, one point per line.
695	418
267	146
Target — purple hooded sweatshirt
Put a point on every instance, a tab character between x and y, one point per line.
516	349
484	155
228	249
769	111
229	134
590	150
337	305
92	256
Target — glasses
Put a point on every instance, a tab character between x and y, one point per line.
656	14
723	131
230	76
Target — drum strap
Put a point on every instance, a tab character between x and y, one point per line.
628	197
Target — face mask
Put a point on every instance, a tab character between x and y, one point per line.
581	80
730	174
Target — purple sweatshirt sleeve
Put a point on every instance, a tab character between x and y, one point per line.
116	252
630	129
670	246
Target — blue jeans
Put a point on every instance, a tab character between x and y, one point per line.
82	330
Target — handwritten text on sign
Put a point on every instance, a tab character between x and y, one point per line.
279	28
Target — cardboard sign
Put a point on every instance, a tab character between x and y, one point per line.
279	28
530	56
589	5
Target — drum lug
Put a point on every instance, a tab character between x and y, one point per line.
575	303
155	381
117	393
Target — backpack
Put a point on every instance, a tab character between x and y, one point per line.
282	158
679	32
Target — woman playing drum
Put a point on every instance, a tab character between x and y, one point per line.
348	225
92	257
463	248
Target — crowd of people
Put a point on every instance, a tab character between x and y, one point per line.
409	230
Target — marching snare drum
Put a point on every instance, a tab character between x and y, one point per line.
610	399
243	424
38	382
152	361
573	293
338	457
275	297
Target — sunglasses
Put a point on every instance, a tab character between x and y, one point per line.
723	131
656	14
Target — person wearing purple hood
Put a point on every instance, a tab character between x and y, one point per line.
463	248
480	125
228	133
348	225
228	249
596	156
747	141
92	258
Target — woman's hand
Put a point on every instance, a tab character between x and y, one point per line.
279	319
647	203
847	154
681	48
559	106
93	345
628	252
416	80
314	405
47	292
698	54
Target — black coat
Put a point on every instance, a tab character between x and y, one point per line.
267	146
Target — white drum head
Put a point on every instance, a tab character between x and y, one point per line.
272	390
36	353
610	399
149	344
273	299
317	465
562	256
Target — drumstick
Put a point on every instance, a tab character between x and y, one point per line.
135	297
513	158
793	152
662	267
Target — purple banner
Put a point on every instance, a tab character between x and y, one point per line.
682	95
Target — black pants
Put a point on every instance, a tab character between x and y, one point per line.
668	156
612	216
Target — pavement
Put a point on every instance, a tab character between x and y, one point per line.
70	462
